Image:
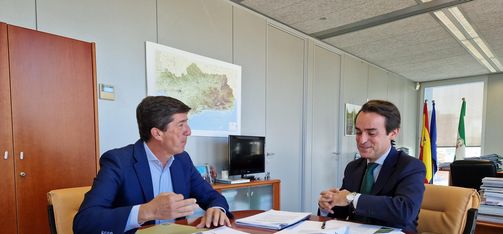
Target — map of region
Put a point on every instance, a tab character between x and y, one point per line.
211	88
199	90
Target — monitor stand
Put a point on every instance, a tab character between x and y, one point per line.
250	177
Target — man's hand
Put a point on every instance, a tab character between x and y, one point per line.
339	198
214	217
326	201
166	206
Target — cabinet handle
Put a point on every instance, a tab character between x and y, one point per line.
22	174
269	154
21	155
6	155
251	194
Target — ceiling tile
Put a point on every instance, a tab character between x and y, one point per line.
418	48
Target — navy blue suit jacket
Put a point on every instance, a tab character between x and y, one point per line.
396	196
124	180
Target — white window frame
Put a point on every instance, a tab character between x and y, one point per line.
456	81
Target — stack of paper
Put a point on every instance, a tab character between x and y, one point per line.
491	209
273	219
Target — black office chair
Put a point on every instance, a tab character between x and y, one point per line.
469	173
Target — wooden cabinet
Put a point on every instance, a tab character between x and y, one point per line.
48	123
255	195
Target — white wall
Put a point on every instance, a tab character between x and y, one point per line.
493	131
222	30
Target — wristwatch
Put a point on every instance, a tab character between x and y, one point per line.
350	197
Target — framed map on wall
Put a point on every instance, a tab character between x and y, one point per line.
212	88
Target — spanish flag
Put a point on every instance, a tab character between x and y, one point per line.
425	146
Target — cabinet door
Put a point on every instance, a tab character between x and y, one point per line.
237	199
53	116
284	107
260	197
325	119
7	199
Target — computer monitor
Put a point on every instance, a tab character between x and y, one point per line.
246	155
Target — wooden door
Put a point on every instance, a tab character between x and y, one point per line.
7	198
54	121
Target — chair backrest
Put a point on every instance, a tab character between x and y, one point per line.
469	173
445	209
64	204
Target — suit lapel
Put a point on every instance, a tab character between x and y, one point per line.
143	171
386	171
358	175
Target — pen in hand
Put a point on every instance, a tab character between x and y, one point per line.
323	224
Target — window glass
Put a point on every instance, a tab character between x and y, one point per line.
448	99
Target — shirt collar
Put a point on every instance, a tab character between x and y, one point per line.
383	157
152	158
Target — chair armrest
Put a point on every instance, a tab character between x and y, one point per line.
52	222
471	221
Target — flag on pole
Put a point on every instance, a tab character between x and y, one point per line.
461	140
433	138
425	147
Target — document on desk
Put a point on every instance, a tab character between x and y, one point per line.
222	230
336	227
314	227
360	228
274	219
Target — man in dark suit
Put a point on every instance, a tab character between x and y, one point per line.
151	181
383	187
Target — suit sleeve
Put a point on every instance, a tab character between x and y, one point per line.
205	195
97	213
404	206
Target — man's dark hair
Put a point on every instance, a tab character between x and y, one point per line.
157	112
386	109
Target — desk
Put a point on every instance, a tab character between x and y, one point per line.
237	215
488	228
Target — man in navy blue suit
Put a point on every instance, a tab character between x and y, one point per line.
152	181
383	187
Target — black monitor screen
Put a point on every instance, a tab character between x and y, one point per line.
246	154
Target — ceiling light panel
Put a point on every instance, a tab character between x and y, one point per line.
464	32
483	46
462	20
448	23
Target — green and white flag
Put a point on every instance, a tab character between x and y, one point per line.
461	140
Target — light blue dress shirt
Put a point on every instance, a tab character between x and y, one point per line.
161	181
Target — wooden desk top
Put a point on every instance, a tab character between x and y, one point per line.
246	213
488	228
